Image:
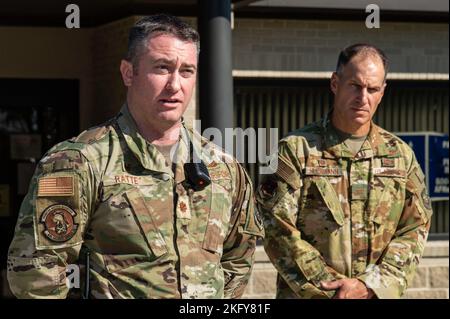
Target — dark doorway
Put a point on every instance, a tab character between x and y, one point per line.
35	114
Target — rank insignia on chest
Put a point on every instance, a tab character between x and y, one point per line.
322	163
183	209
387	162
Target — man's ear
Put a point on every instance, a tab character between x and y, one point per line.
383	88
334	82
126	69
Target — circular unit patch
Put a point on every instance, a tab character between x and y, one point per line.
59	223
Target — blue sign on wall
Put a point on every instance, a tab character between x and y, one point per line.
431	150
438	146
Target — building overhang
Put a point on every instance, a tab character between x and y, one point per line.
94	13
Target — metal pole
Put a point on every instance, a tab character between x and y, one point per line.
215	69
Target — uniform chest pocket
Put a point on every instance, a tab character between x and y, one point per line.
387	197
320	200
124	224
213	209
146	222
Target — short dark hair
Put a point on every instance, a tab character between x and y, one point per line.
158	24
361	49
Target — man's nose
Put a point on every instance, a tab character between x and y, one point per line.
173	82
363	95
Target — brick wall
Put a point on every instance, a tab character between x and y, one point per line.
280	45
93	54
306	45
431	280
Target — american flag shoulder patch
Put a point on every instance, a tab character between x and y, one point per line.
56	186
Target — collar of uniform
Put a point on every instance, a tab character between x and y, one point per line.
332	144
182	154
382	143
187	136
145	152
378	143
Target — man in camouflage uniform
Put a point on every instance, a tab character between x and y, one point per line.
346	214
118	194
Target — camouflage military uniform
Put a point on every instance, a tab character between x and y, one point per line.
329	214
149	235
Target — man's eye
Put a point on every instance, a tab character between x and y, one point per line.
162	67
373	90
187	72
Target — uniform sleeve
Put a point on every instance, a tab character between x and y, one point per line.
390	277
50	226
299	264
240	243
